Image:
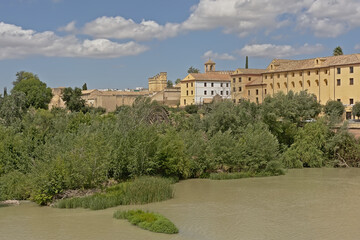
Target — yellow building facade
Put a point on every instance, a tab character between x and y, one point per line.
328	78
158	82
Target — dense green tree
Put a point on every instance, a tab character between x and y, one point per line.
247	62
193	70
169	84
338	51
308	150
334	108
356	110
178	80
5	91
37	93
12	108
84	87
73	100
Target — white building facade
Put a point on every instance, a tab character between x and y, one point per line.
205	91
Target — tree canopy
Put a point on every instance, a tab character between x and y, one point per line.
356	110
193	70
338	51
73	100
38	95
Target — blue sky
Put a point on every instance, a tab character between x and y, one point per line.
120	44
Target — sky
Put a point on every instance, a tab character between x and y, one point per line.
121	43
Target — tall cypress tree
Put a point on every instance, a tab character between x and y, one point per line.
247	62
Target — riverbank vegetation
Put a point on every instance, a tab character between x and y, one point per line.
44	153
147	220
140	191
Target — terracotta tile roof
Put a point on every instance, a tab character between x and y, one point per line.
113	93
248	71
256	82
209	76
293	65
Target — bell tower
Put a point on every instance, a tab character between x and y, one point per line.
209	66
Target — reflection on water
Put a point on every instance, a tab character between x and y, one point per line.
304	204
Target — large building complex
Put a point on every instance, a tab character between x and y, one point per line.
328	78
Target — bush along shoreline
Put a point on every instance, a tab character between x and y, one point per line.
140	191
153	222
44	154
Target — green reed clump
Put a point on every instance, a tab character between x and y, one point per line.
142	190
237	175
147	220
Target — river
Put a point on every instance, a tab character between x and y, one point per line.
303	204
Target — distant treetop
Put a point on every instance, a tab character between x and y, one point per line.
338	51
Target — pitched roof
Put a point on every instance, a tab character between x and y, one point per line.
209	76
248	71
292	65
256	82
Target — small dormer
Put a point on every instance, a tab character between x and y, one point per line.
319	61
210	66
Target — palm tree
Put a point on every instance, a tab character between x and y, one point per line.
338	51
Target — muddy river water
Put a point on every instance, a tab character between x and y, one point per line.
303	204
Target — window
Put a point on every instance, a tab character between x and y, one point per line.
300	74
300	82
192	92
326	82
205	92
234	89
326	71
278	85
212	84
265	92
317	72
351	101
205	84
285	75
240	89
339	100
187	93
338	82
308	82
221	85
212	92
234	100
257	92
265	76
249	79
293	84
233	80
257	100
227	85
249	92
191	84
351	81
338	70
278	75
351	69
293	74
187	85
308	73
239	79
239	100
221	93
184	101
227	92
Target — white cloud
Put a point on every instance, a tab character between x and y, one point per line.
325	18
223	56
121	28
331	18
16	42
279	51
70	27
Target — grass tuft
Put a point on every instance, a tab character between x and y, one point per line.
237	175
147	220
142	190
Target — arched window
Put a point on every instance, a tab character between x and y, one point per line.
278	85
308	82
285	84
293	84
317	82
271	85
325	82
300	82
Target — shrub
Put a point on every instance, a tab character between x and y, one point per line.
147	220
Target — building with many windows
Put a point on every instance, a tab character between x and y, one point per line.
201	88
328	78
